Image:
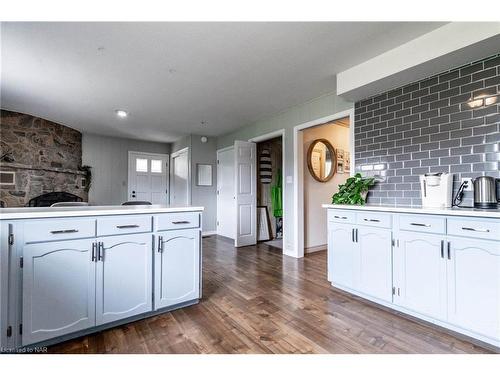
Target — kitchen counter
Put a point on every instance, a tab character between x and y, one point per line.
83	269
46	212
469	212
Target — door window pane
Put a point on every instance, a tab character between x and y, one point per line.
141	165
156	166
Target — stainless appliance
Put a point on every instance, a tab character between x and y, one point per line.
485	192
436	190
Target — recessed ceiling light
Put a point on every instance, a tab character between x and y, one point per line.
203	122
121	113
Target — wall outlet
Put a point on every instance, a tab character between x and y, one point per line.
469	186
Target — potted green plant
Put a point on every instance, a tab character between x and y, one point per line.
354	191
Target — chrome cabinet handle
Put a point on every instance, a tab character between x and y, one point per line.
442	249
420	225
100	252
64	231
353	235
94	245
340	217
160	244
449	251
356	234
127	226
476	230
180	222
372	220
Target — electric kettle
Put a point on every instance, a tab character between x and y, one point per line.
485	192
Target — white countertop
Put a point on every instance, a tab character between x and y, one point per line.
45	212
470	212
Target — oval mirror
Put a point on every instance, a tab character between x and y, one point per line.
321	160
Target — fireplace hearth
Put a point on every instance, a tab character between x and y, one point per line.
48	199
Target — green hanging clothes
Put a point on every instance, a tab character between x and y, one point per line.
277	196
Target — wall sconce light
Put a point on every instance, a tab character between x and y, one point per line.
491	100
476	103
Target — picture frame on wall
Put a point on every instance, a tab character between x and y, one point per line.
204	175
347	161
340	166
340	154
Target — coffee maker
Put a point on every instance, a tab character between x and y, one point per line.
436	190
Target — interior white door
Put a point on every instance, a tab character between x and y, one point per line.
180	178
148	177
245	167
226	224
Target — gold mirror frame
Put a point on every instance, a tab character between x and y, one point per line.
334	160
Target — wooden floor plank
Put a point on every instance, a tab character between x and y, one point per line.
257	301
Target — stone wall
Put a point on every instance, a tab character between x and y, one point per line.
45	156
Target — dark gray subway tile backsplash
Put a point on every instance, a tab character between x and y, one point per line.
438	124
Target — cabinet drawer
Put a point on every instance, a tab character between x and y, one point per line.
339	216
109	226
474	228
178	220
58	229
374	219
422	223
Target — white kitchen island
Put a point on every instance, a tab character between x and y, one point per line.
69	271
439	265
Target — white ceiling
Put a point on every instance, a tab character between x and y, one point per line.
172	76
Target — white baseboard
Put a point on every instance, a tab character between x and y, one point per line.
209	233
313	249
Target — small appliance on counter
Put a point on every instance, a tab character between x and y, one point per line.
486	192
436	190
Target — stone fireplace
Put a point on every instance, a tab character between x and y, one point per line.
37	157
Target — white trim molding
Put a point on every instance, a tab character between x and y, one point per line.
298	168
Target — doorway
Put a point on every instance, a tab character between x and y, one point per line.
270	192
237	193
299	173
324	170
148	177
180	189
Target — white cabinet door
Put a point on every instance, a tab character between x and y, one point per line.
474	285
177	267
343	255
58	289
421	281
124	277
375	262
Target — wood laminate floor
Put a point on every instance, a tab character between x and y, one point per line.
257	301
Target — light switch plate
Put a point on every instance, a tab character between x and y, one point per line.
289	179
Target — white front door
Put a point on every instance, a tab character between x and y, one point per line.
225	193
180	195
245	167
148	177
